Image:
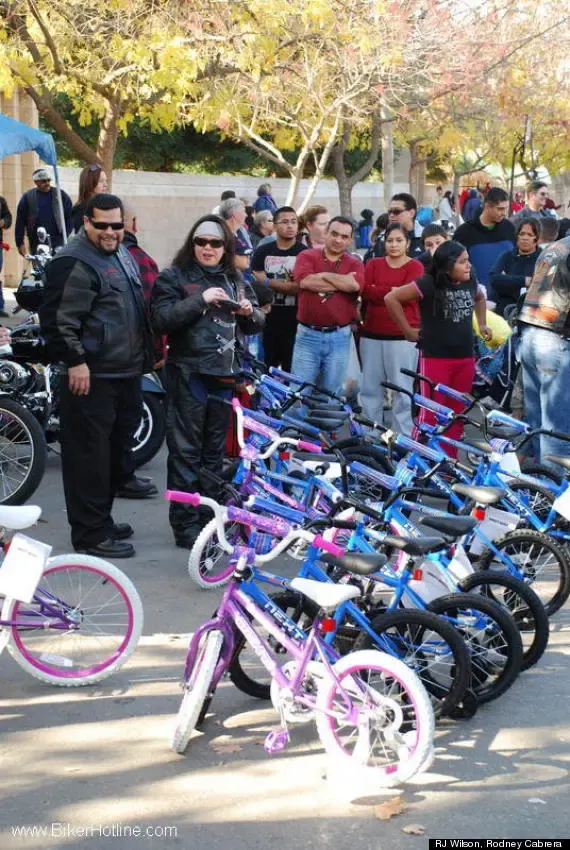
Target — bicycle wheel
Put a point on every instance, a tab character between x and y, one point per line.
209	563
430	647
385	728
22	453
522	603
151	431
491	637
538	498
197	694
540	561
246	670
83	624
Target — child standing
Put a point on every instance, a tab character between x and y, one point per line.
448	295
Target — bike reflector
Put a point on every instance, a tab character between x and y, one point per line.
328	625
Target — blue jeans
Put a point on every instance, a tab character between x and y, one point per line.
545	360
322	358
1	263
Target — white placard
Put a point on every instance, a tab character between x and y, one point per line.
433	583
460	566
510	463
22	568
496	524
562	504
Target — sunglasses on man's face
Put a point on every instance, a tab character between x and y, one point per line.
202	241
395	212
105	225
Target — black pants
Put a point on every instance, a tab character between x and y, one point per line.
196	430
279	337
96	458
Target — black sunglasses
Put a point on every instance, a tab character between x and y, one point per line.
105	225
202	241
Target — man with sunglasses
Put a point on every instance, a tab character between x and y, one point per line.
402	209
39	208
94	323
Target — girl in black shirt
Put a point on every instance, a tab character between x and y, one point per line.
447	295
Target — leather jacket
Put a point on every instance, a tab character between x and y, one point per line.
202	336
94	312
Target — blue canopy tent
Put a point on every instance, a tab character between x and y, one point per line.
16	137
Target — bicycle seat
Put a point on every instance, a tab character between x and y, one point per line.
415	545
323	405
451	526
313	456
503	432
326	595
19	516
328	413
481	495
564	462
325	424
356	562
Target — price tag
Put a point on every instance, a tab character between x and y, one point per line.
510	463
22	567
496	524
562	504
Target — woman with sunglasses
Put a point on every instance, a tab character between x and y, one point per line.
203	304
92	181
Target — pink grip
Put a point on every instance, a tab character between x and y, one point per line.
328	546
180	496
309	447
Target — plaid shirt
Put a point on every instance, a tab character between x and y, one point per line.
148	271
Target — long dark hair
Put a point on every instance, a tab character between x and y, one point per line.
439	269
186	256
396	226
88	179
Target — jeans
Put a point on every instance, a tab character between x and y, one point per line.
545	361
382	360
322	358
1	263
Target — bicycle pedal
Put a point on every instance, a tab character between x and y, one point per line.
276	741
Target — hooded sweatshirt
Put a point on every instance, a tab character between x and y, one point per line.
485	244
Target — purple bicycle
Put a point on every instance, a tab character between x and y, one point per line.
371	711
70	620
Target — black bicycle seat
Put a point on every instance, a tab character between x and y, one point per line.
564	462
503	432
415	545
325	424
451	526
312	456
481	495
355	562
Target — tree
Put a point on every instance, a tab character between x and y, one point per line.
114	60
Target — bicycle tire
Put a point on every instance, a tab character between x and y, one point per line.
58	669
154	412
444	697
207	551
12	416
544	493
530	617
485	662
412	716
297	607
551	602
196	690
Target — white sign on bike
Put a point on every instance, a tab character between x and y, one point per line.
460	566
562	504
496	524
22	568
510	463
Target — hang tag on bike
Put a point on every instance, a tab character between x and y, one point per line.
433	583
495	525
460	566
22	568
510	463
562	504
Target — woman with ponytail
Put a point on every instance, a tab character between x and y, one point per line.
447	295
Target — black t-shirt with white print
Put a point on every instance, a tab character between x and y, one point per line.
277	263
446	323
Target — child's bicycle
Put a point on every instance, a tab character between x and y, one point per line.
371	711
70	620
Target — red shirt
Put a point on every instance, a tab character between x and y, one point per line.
334	309
379	279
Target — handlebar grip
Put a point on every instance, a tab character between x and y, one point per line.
305	446
410	445
185	498
434	406
419	376
276	386
328	546
558	435
464	398
501	417
395	388
287	376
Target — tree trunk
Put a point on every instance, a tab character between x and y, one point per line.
56	121
456	185
421	187
413	170
108	136
387	156
293	190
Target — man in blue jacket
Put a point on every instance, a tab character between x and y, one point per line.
39	208
488	235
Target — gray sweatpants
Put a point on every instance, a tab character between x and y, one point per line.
382	360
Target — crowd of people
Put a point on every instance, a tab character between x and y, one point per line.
294	290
